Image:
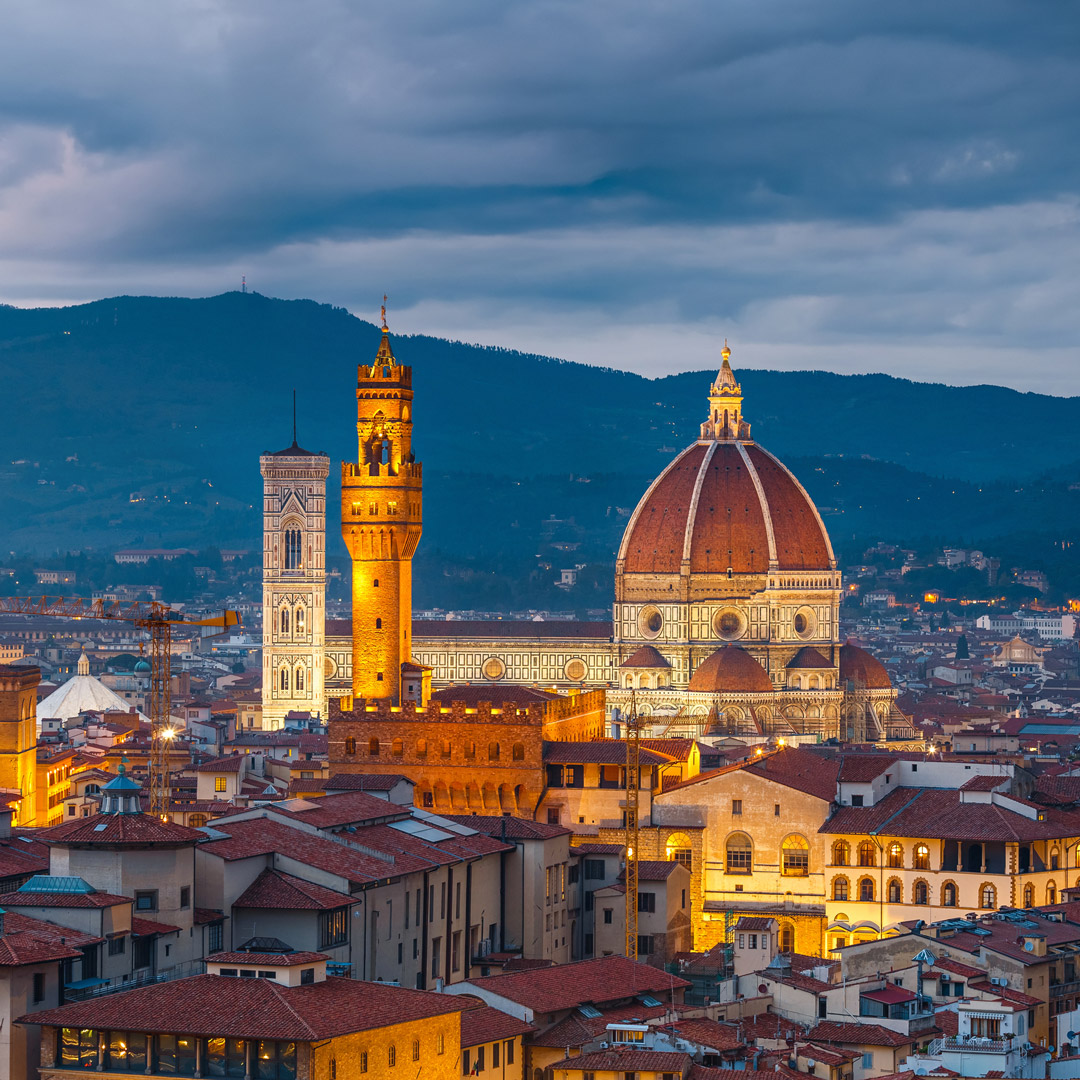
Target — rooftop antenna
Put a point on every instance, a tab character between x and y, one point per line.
243	283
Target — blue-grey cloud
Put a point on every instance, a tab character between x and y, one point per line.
846	184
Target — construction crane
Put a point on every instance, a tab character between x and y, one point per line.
159	620
633	786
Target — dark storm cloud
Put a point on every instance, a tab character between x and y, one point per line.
850	177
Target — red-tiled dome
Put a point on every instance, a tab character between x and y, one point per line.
732	670
725	504
859	667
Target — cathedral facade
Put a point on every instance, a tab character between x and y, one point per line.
726	608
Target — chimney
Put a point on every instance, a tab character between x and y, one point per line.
6	814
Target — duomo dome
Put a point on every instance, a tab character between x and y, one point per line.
726	571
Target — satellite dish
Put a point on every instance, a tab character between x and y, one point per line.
1029	946
1071	1034
924	957
762	988
810	1063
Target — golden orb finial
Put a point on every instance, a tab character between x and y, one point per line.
725	352
382	313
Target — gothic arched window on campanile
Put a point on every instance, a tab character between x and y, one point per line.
284	620
294	551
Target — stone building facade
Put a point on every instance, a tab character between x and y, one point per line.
480	760
18	738
294	583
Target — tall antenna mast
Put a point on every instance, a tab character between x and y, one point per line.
243	283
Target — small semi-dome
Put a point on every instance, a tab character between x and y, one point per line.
142	666
648	656
733	670
862	669
808	657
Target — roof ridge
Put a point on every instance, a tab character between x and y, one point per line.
278	993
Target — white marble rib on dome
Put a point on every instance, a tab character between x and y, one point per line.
81	694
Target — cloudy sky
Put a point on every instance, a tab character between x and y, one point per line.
846	185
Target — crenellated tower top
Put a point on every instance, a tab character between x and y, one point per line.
725	405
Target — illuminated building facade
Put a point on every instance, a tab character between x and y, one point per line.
727	593
294	583
381	524
18	738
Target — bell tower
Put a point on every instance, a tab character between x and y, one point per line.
294	582
381	524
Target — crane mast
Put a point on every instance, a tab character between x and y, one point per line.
158	619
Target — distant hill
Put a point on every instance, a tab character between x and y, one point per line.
140	421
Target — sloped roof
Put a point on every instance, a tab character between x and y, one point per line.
804	770
485	1024
733	670
809	657
604	979
81	693
829	1031
121	829
648	656
252	1008
273	889
596	752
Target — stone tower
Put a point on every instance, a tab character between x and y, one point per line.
18	737
294	583
381	524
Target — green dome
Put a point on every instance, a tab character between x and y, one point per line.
142	665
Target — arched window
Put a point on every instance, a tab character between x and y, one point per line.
350	745
840	888
416	1050
391	1055
841	853
920	893
519	751
299	678
397	748
1055	858
373	747
678	850
284	620
446	748
299	620
948	894
284	680
894	891
922	857
421	748
196	821
795	856
867	853
375	583
493	751
988	897
866	889
740	854
1029	896
294	550
787	937
378	624
896	855
1051	893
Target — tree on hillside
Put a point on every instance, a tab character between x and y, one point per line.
962	648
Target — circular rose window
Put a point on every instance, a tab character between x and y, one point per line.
804	623
331	667
650	622
494	668
575	670
728	624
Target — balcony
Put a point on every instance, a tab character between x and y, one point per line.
970	1044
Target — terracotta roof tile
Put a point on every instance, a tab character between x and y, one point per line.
626	1061
254	959
365	782
120	830
804	770
707	1033
829	1031
150	927
33	941
604	979
273	889
252	1008
510	828
596	752
485	1024
62	900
